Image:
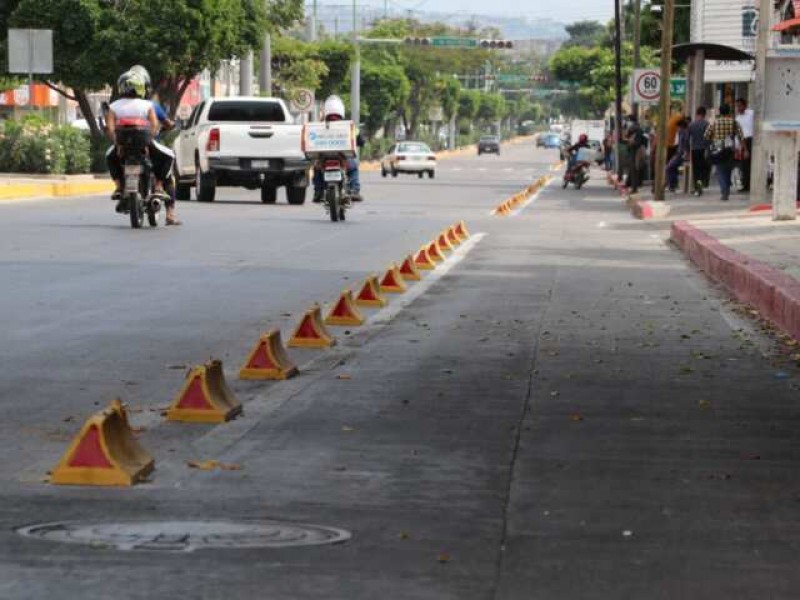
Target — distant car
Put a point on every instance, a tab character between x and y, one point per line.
489	144
409	157
548	140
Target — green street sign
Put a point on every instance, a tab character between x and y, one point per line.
509	78
453	42
677	87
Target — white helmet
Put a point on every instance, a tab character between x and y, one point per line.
334	106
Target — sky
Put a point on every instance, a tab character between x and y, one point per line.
559	10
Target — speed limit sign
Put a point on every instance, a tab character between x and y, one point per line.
302	101
646	86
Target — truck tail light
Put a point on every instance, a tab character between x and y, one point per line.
213	141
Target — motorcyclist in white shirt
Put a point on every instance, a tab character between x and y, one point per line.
132	106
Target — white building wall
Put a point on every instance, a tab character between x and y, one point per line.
731	23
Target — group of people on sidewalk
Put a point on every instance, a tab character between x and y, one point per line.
720	145
723	144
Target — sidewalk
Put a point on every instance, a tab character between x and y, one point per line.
738	245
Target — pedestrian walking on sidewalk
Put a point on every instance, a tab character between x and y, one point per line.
637	145
681	153
698	147
745	117
723	136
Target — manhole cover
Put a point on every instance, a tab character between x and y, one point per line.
185	536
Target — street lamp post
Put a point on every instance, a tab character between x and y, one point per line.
355	87
618	84
663	112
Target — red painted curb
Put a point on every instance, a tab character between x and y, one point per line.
764	207
772	292
642	210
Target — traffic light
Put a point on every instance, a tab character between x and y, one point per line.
418	41
496	44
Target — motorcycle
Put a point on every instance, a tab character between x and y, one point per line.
577	172
133	136
336	197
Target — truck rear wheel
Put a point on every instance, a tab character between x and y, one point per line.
296	195
206	185
269	194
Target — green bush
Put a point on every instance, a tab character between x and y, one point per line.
34	145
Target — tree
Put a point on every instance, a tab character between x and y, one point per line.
585	34
385	90
450	94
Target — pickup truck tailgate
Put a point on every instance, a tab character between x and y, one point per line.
256	140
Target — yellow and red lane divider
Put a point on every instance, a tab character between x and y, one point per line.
344	312
408	269
205	397
507	207
311	331
268	360
392	281
370	294
105	452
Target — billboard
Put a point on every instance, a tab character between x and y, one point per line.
730	23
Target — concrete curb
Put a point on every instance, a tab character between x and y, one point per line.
772	292
17	191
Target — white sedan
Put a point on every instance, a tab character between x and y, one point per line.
409	157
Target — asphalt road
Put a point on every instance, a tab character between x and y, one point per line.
569	411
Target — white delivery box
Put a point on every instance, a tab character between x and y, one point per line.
332	138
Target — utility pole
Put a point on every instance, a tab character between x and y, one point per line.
618	84
758	171
265	70
312	30
664	106
637	41
246	74
355	88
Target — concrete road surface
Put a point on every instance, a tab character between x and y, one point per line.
565	410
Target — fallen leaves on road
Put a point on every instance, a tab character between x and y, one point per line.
347	428
576	418
444	558
211	465
344	377
403	535
704	403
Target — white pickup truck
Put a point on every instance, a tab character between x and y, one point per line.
241	142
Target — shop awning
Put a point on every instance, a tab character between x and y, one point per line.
711	51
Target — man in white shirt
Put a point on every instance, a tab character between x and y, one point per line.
745	116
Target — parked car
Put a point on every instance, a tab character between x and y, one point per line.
489	144
409	157
241	142
548	140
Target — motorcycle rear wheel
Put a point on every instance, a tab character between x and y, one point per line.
332	200
136	210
